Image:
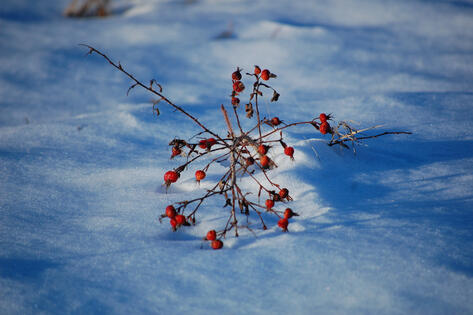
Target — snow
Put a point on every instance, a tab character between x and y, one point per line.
385	231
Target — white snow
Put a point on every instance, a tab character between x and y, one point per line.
386	231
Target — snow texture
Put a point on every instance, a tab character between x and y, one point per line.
386	231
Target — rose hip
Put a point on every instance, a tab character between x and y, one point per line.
211	235
199	175
265	74
288	213
269	204
180	219
289	151
283	193
264	160
283	223
324	128
170	177
170	211
217	244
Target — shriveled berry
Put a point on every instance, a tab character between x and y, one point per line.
250	161
211	235
324	128
199	175
323	117
238	86
257	70
288	213
175	151
170	211
217	244
283	193
283	223
180	219
171	177
289	151
236	75
264	160
269	204
265	74
235	101
275	121
262	149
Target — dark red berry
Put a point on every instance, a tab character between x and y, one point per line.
324	128
199	175
288	213
283	223
269	204
289	151
236	75
203	144
265	74
264	160
211	142
217	244
257	70
170	212
262	149
275	121
283	193
323	117
173	223
180	219
171	177
235	101
211	235
238	86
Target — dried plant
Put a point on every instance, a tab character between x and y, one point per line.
246	152
87	8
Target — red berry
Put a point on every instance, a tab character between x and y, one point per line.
265	74
283	223
323	117
175	151
235	101
170	177
289	151
199	175
211	142
170	211
275	121
288	213
257	70
283	193
217	244
180	219
211	235
236	75
173	223
262	149
269	204
250	161
324	128
264	160
203	144
238	86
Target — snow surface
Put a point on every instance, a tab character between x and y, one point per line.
388	231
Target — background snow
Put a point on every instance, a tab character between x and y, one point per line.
386	231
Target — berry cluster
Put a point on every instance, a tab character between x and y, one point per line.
247	154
